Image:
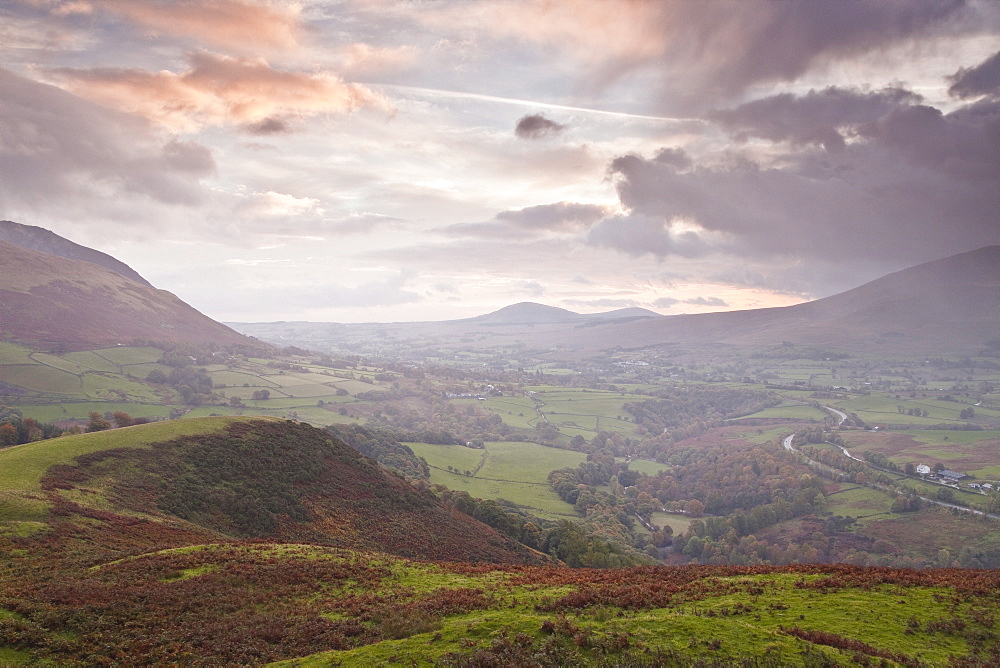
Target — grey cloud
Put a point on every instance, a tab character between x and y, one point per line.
983	79
706	301
915	185
674	157
536	126
268	126
714	51
814	118
558	217
56	147
638	234
665	302
534	287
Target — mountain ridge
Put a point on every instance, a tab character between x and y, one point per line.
61	303
40	239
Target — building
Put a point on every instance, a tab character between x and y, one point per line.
923	469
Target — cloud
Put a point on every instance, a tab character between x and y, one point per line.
705	52
559	217
536	126
665	302
217	90
818	117
983	79
913	183
234	24
534	288
270	205
602	303
706	301
58	150
363	223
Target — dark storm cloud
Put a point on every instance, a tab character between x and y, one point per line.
536	126
56	147
818	117
983	79
912	184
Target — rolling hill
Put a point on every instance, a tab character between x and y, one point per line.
948	306
227	541
57	303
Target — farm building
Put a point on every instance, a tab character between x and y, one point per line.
950	476
923	469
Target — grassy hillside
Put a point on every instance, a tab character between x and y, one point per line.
318	606
61	303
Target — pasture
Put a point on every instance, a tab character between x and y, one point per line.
515	471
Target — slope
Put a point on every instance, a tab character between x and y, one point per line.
228	479
46	241
56	303
948	306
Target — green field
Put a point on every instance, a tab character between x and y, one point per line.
514	471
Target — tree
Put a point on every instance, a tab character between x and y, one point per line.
97	422
156	376
260	395
122	419
8	434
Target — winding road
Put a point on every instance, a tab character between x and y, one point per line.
787	443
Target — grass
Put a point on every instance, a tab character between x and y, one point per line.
859	502
22	466
526	462
80	410
718	628
679	523
457	457
514	471
40	378
11	353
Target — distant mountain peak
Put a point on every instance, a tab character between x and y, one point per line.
45	241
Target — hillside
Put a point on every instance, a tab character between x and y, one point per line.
55	303
226	541
45	241
225	479
948	306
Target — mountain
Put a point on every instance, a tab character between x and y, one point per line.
526	313
45	241
530	313
54	303
946	306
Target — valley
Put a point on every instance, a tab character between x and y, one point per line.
532	482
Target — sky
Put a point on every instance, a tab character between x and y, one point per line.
377	160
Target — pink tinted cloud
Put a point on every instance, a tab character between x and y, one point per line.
701	52
217	90
234	24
